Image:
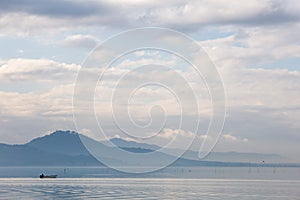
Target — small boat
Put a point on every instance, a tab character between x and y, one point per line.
48	176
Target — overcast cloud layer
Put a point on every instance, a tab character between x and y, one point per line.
255	46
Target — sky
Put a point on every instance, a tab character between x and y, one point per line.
254	45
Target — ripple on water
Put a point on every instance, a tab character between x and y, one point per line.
130	188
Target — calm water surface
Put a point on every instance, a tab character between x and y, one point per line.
173	183
147	188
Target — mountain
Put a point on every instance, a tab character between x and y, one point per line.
57	149
61	142
237	157
24	155
65	148
130	144
193	155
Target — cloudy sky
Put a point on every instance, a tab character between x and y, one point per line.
255	46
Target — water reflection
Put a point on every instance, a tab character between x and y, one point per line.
147	188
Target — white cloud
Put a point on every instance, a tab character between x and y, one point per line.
204	137
124	138
272	92
232	138
55	103
254	46
90	133
168	133
36	70
260	87
80	41
206	12
187	15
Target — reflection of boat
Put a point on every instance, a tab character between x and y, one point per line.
48	176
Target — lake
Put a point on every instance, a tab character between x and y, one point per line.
170	183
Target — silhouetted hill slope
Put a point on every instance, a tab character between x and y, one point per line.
193	155
136	150
62	142
23	155
131	144
65	148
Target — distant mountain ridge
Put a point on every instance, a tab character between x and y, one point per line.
131	144
192	155
65	148
65	142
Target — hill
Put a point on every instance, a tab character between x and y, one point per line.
65	148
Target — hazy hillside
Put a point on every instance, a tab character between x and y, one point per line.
23	155
130	144
213	156
65	148
62	142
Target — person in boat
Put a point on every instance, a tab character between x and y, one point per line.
42	176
